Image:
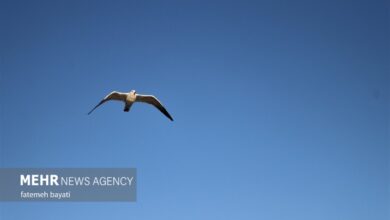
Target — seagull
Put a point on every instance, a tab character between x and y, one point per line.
131	97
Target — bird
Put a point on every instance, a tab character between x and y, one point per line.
129	98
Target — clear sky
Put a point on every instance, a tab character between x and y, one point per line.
281	108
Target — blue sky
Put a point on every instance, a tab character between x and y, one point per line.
281	107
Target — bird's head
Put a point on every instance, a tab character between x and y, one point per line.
133	91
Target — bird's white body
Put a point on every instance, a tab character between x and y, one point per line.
131	97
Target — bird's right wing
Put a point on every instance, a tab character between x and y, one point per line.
112	96
149	99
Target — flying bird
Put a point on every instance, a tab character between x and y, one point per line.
131	97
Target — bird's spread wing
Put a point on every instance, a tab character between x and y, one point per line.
153	101
112	96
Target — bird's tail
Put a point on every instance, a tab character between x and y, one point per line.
127	107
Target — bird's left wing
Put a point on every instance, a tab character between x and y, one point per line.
112	96
149	99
